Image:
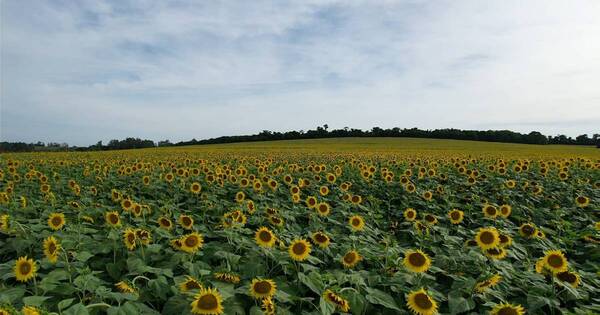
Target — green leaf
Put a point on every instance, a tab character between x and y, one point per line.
376	296
312	281
65	303
458	304
77	309
34	300
83	256
326	307
10	296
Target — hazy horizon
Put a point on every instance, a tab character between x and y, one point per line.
81	72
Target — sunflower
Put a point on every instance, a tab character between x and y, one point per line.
555	261
195	188
56	221
262	288
112	218
487	283
487	238
527	230
227	277
165	223
207	302
421	303
276	220
144	236
190	283
51	249
427	195
507	309
30	310
321	239
126	204
324	190
505	240
582	201
416	261
311	202
323	209
25	269
299	250
4	222
495	253
129	238
505	210
421	228
571	278
268	306
356	199
190	243
410	214
186	221
264	237
125	287
430	219
336	300
490	211
456	216
357	223
351	259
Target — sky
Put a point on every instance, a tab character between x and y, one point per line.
84	71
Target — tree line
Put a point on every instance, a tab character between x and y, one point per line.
533	137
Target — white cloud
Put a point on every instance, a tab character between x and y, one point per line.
81	72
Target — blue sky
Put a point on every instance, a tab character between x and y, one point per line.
83	71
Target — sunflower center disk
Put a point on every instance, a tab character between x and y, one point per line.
416	259
423	301
299	249
208	302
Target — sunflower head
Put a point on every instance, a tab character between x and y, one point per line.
51	249
186	221
321	239
357	223
582	201
495	252
488	283
456	216
527	230
505	210
264	237
351	259
129	238
421	303
487	238
571	278
507	309
112	218
262	288
165	223
490	211
207	301
25	269
56	221
410	214
416	261
555	261
192	242
190	283
299	250
338	301
323	209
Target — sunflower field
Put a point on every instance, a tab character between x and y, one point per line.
228	230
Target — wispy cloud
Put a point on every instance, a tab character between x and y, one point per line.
87	70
